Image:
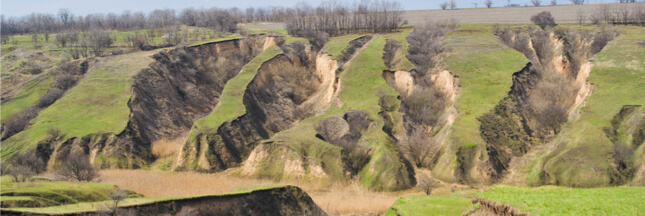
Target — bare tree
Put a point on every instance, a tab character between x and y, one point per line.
25	165
577	1
427	184
554	2
581	16
453	4
488	3
443	5
419	148
536	2
77	167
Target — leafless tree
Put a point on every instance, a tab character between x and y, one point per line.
49	98
419	147
536	2
389	52
443	5
554	2
453	4
578	2
488	3
581	16
427	184
25	165
77	167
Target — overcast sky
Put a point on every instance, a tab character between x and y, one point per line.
82	7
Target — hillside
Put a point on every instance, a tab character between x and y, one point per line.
481	106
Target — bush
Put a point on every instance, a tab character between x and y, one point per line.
77	167
389	52
16	123
50	97
544	20
64	81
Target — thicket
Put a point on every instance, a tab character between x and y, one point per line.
336	19
425	49
24	166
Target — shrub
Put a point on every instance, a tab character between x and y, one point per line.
544	20
49	98
77	167
64	81
16	123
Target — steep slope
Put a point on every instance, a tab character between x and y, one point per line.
319	147
285	90
182	85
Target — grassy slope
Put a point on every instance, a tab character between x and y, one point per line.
452	204
97	104
231	105
484	67
582	157
553	200
28	96
361	83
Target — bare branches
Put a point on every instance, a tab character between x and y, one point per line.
77	167
419	148
336	19
425	49
427	184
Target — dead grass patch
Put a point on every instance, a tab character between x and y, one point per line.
335	199
165	147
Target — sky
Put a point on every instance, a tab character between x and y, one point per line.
83	7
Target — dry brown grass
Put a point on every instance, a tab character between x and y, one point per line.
335	199
164	147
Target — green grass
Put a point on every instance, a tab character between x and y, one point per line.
336	45
230	105
554	200
29	95
452	204
485	69
97	103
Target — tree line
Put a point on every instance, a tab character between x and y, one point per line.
337	19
